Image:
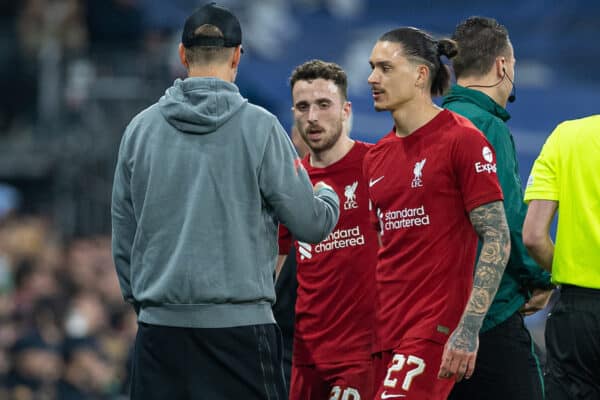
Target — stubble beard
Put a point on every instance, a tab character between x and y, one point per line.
328	143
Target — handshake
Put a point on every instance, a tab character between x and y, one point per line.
321	185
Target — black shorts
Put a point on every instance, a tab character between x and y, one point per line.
573	345
283	309
506	366
221	363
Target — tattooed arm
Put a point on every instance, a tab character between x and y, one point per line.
460	351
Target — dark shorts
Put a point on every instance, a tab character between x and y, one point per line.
283	309
333	381
506	366
221	363
573	346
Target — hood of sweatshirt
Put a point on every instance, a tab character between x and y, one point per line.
200	105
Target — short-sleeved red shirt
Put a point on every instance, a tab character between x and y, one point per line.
422	188
335	307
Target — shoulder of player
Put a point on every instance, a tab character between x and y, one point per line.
380	145
359	151
460	128
262	120
365	146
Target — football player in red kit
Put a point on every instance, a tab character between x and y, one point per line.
336	278
433	187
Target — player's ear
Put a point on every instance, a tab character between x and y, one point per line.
182	57
500	66
237	56
347	109
422	76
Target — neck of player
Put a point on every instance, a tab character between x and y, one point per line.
413	115
495	91
332	155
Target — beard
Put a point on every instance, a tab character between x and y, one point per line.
328	139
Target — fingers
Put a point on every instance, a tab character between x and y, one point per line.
444	372
526	309
457	365
470	367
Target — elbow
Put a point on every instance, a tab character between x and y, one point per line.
316	233
312	237
532	239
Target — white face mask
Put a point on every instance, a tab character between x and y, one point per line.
76	324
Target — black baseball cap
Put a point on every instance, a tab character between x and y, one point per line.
218	16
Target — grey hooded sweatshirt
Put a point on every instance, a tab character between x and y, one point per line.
202	179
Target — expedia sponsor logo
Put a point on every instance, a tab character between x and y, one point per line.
487	154
405	218
489	166
485	167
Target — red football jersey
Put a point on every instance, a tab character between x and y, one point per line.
335	311
422	188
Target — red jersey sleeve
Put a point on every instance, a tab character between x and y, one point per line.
475	167
285	240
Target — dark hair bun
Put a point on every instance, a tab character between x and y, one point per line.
447	47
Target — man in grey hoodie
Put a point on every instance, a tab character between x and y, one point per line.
202	179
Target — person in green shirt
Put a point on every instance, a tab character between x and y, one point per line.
507	367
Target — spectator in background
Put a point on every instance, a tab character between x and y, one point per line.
50	33
16	81
507	367
565	177
35	320
88	374
37	367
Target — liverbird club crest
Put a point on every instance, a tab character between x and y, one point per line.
350	194
418	171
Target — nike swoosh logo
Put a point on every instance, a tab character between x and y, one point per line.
385	395
372	182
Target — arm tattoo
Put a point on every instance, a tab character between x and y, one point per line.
489	221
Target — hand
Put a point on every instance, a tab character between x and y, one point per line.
321	185
460	353
538	301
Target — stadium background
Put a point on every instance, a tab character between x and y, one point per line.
72	74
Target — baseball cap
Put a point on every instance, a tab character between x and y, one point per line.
218	16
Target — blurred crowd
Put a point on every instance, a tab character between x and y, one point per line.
55	44
52	52
65	332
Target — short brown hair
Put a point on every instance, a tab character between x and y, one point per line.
319	69
480	40
200	55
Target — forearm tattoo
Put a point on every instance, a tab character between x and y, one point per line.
490	224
